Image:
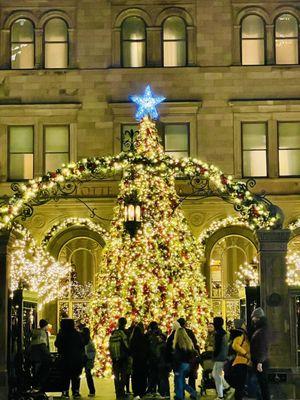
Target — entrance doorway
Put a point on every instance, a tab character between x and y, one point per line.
226	257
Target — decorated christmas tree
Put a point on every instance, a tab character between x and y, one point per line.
150	267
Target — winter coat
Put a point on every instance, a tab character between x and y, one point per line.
209	342
220	345
241	346
90	354
181	356
39	346
259	344
139	349
70	346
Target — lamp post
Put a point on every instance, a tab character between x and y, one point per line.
132	215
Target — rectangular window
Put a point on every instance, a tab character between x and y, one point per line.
128	135
289	148
20	152
254	145
57	146
175	138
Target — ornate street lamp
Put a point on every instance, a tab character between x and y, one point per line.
132	214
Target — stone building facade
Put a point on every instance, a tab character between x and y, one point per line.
230	72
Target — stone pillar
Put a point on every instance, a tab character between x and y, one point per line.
270	45
154	46
39	50
274	293
72	49
191	43
4	277
5	49
116	47
236	53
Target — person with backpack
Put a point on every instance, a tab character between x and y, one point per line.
139	350
219	357
119	351
90	354
153	336
241	347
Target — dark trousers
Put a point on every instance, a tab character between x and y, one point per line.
120	375
153	378
139	379
163	383
240	377
72	374
40	373
89	380
262	378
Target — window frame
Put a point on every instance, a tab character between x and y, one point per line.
175	40
45	42
11	43
263	39
278	122
266	149
187	124
275	38
133	41
45	126
9	179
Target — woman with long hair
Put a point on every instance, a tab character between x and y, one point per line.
183	355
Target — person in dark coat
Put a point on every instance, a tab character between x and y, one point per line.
139	350
220	355
90	354
259	350
40	354
70	346
193	374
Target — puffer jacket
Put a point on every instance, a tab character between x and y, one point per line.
241	346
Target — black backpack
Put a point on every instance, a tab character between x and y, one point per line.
118	347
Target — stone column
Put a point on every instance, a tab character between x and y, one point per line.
72	49
154	46
274	293
5	47
270	45
39	48
236	53
116	47
191	43
4	277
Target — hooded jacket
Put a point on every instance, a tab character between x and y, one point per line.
220	345
259	344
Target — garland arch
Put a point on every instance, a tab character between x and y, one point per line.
205	181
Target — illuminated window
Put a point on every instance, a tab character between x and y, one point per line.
56	43
57	143
20	152
22	44
175	138
289	148
286	39
133	42
254	144
253	40
174	42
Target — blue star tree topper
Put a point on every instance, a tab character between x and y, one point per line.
146	104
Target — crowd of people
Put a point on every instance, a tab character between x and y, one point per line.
239	359
142	359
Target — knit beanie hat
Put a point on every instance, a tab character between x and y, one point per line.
43	323
258	313
238	323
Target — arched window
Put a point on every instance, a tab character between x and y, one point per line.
56	43
253	40
174	42
22	44
133	42
286	39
